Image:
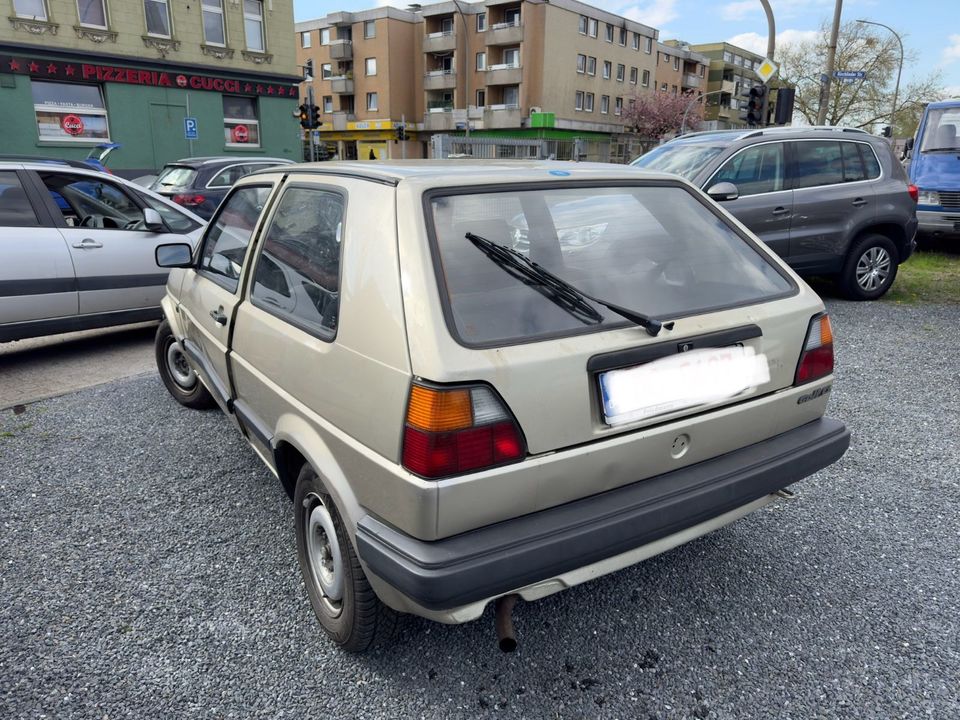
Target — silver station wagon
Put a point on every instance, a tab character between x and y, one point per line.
488	381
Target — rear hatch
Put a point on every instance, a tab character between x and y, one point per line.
174	180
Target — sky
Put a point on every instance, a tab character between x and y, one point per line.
929	27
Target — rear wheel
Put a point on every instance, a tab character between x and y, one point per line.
175	371
870	268
348	609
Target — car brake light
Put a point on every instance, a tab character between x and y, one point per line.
189	200
914	192
816	360
449	431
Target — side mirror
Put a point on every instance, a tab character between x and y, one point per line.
910	143
174	255
723	191
152	220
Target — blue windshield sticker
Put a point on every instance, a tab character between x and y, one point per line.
559	173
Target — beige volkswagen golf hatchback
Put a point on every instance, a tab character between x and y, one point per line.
487	381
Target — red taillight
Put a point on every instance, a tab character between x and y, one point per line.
458	430
914	192
189	200
816	360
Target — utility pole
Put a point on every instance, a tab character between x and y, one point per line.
831	58
771	46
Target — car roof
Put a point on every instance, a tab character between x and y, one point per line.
730	136
5	158
212	159
940	104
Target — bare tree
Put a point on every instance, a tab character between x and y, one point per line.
652	115
865	103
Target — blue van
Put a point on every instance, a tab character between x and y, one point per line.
935	169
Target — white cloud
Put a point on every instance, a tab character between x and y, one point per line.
952	51
755	42
655	13
740	9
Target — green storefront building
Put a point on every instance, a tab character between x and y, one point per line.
162	79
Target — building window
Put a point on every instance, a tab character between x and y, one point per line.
326	71
621	72
68	112
700	69
592	29
308	70
618	106
372	104
727	56
305	39
583	25
646	78
253	24
369	29
511	57
633	76
578	104
91	13
241	128
370	66
666	58
636	41
604	104
607	67
609	33
623	37
511	96
325	36
591	66
328	103
158	17
663	87
581	63
588	102
34	9
673	89
481	98
213	32
511	16
676	63
481	61
648	45
481	22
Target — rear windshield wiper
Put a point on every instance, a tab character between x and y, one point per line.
570	298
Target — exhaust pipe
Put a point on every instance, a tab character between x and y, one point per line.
506	638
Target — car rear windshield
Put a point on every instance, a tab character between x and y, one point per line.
683	159
656	250
173	177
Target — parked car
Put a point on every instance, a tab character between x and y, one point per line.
829	201
77	249
461	422
200	183
934	167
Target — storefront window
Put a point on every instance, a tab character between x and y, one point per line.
158	17
69	112
92	13
35	9
213	33
253	24
241	128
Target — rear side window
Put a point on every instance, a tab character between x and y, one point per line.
173	177
852	162
228	236
652	249
297	276
870	161
758	169
228	176
818	163
15	208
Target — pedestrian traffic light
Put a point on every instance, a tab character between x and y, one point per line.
314	116
753	105
304	116
887	131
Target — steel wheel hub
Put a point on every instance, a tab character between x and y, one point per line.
179	368
323	551
873	268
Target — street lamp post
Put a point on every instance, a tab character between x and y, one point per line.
683	123
896	88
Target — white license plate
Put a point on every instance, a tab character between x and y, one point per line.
680	382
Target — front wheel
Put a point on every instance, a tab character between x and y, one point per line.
348	609
175	371
870	268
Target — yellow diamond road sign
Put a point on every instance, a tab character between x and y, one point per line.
767	70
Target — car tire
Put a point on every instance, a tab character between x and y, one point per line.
348	609
870	268
175	371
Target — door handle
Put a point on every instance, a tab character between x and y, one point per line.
781	211
88	244
859	202
218	317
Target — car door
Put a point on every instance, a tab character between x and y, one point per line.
210	292
765	202
831	199
111	248
37	281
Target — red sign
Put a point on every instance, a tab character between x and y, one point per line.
72	125
240	134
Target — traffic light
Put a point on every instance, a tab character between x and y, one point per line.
304	116
887	131
401	132
753	105
314	113
783	113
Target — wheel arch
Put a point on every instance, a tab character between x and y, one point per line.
895	232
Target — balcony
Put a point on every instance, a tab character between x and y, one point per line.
341	50
342	85
502	116
439	42
507	33
439	119
503	75
340	120
439	80
691	81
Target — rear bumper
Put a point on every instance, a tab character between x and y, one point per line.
493	560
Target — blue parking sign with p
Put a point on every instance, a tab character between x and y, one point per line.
190	128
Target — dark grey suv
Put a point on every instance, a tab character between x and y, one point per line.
829	201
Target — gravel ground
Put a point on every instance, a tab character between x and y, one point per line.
147	569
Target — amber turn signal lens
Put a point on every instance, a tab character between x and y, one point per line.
439	410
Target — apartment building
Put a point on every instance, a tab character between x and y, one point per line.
501	68
76	74
732	71
680	70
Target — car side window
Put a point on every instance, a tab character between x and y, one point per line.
297	276
228	176
175	220
229	233
15	208
852	162
870	161
818	163
89	202
757	169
